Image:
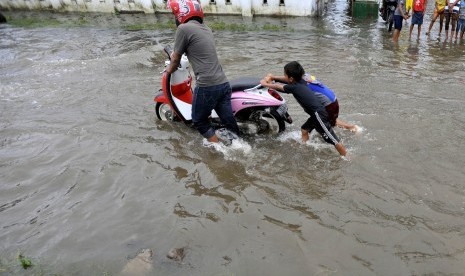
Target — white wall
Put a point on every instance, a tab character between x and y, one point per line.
239	7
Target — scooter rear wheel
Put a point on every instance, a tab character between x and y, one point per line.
268	122
164	112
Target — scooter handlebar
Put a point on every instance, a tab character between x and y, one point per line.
254	88
168	50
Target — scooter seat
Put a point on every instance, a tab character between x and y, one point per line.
243	83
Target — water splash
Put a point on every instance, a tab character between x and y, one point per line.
358	129
236	149
315	141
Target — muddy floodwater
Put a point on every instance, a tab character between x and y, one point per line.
89	177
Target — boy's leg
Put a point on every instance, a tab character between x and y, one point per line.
446	27
305	135
441	22
395	36
413	22
306	128
435	16
462	28
419	25
341	149
457	29
398	20
330	137
327	133
454	24
345	125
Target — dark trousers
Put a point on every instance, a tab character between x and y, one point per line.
206	99
451	17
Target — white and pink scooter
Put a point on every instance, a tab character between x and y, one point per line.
257	109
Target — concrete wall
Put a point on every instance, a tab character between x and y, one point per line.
238	7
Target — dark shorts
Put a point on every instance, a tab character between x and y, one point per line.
398	20
461	25
333	112
451	17
323	127
417	18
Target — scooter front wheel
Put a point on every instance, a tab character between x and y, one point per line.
390	20
164	112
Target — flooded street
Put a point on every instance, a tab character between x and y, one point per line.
89	176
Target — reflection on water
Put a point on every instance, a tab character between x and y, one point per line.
89	177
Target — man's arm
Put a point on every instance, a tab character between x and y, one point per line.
401	6
174	62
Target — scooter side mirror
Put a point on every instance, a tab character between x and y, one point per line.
168	50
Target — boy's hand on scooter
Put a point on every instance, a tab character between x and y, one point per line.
264	82
268	78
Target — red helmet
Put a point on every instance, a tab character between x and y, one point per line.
184	10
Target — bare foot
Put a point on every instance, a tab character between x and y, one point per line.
347	157
213	139
355	129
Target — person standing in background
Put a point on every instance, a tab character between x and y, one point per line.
461	22
399	15
439	7
451	12
419	7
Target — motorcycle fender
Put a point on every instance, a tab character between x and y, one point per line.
160	98
288	118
